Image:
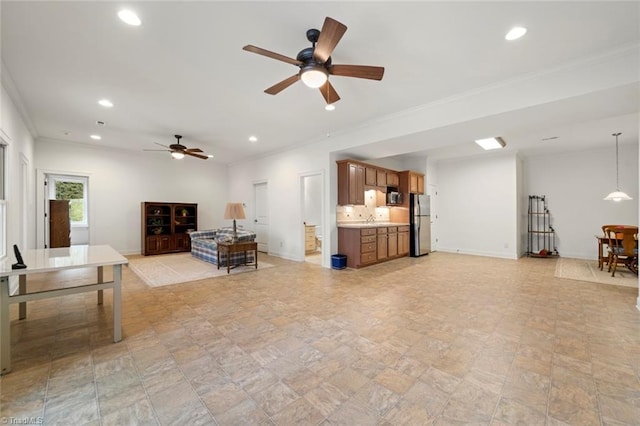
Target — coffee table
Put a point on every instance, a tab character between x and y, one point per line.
239	247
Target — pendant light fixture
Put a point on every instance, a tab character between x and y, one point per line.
617	195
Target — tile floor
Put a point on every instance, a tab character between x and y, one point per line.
442	339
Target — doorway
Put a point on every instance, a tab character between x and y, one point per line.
311	186
261	219
75	190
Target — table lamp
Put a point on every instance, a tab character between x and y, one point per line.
234	211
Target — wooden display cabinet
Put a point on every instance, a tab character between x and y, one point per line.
165	227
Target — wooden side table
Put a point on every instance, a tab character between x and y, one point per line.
239	247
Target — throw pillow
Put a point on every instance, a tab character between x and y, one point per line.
224	238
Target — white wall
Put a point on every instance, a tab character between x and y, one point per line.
20	150
575	184
119	181
477	205
282	173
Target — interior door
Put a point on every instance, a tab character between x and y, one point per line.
261	219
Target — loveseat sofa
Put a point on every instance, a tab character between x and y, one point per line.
204	245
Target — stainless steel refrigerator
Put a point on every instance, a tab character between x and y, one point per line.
420	221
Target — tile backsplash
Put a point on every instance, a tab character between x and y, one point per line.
362	213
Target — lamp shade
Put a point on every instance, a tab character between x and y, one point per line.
617	196
234	211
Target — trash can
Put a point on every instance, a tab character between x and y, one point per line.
338	261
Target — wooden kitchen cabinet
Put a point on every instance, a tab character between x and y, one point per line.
369	245
370	176
351	180
411	182
392	241
403	240
383	241
392	179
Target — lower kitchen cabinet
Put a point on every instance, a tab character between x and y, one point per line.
392	244
383	241
403	240
365	246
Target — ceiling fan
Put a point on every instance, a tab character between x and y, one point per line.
178	151
315	62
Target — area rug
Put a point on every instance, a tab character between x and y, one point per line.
587	270
167	269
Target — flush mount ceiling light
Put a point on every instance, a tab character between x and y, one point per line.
314	76
96	137
253	139
105	103
515	33
129	17
617	195
491	143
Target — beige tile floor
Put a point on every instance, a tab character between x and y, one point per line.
442	339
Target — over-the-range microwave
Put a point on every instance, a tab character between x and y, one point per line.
394	197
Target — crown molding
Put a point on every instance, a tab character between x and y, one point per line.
14	94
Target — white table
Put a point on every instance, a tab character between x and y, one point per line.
51	260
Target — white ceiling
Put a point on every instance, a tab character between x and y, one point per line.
184	71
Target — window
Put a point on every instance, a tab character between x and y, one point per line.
74	189
3	200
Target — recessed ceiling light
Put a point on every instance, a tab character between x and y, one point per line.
96	137
129	17
253	139
491	143
330	107
515	33
105	103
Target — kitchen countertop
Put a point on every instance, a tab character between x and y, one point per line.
369	224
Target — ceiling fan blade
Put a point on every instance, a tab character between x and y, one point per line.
204	157
167	150
329	93
161	144
279	87
358	71
272	55
331	33
193	150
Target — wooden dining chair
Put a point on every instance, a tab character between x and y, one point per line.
623	249
606	256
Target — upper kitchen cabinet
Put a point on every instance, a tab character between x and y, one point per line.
411	182
374	176
392	179
351	180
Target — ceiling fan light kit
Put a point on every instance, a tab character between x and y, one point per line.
315	62
314	76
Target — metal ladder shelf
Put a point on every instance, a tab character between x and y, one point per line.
541	237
